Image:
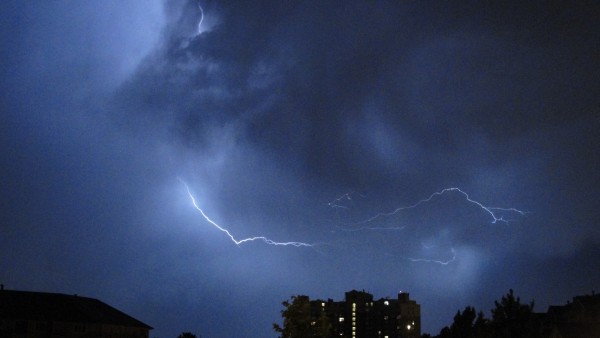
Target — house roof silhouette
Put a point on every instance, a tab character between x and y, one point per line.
44	306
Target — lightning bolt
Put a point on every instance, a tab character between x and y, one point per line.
336	203
492	211
241	241
371	228
435	261
201	18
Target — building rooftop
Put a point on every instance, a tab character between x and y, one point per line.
44	306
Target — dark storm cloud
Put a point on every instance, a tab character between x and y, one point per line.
339	85
352	96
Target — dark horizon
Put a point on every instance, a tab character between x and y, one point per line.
447	150
47	298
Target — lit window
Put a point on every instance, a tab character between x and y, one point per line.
385	336
313	323
408	327
341	319
323	304
386	303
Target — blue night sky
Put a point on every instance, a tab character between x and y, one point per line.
317	122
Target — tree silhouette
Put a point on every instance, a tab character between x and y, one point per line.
299	322
510	318
510	308
468	324
187	335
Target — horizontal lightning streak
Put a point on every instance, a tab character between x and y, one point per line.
489	210
435	261
238	242
371	228
336	203
364	225
492	211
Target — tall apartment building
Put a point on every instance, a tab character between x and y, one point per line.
359	316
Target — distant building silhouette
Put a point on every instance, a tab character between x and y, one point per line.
359	316
26	314
579	318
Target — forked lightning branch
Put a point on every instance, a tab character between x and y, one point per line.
492	211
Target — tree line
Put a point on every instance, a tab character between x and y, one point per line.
510	318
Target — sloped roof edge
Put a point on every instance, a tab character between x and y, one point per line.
62	307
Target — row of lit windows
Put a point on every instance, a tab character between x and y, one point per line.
341	319
353	319
366	304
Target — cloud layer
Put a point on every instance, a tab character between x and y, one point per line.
298	122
